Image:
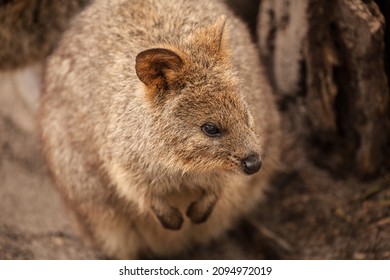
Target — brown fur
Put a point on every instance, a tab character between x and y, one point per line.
127	93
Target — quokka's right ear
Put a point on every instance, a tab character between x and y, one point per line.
158	68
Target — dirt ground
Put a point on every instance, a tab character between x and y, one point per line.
33	221
307	214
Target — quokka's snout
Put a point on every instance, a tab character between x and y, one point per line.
251	164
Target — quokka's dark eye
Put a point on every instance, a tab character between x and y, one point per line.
211	130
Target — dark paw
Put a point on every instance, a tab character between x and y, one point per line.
172	219
198	213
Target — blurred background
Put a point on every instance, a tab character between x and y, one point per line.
328	62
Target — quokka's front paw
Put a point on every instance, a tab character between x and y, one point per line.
199	211
169	217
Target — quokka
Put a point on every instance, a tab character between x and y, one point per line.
156	118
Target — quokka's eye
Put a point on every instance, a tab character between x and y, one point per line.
211	130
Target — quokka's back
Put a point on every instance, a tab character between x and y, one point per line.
155	121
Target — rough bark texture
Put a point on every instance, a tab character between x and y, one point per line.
384	6
29	29
326	61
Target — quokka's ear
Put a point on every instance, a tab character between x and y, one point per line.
220	33
214	37
157	68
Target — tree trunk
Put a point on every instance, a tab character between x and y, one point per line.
325	59
30	29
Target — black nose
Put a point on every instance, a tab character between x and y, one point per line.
252	164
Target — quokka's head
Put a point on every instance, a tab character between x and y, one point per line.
201	123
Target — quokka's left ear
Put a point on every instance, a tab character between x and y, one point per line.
157	68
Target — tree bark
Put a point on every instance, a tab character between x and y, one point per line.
30	29
326	62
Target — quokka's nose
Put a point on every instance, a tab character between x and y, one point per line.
251	164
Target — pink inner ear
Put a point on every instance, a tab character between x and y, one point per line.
152	66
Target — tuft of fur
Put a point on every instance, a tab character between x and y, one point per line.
126	95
